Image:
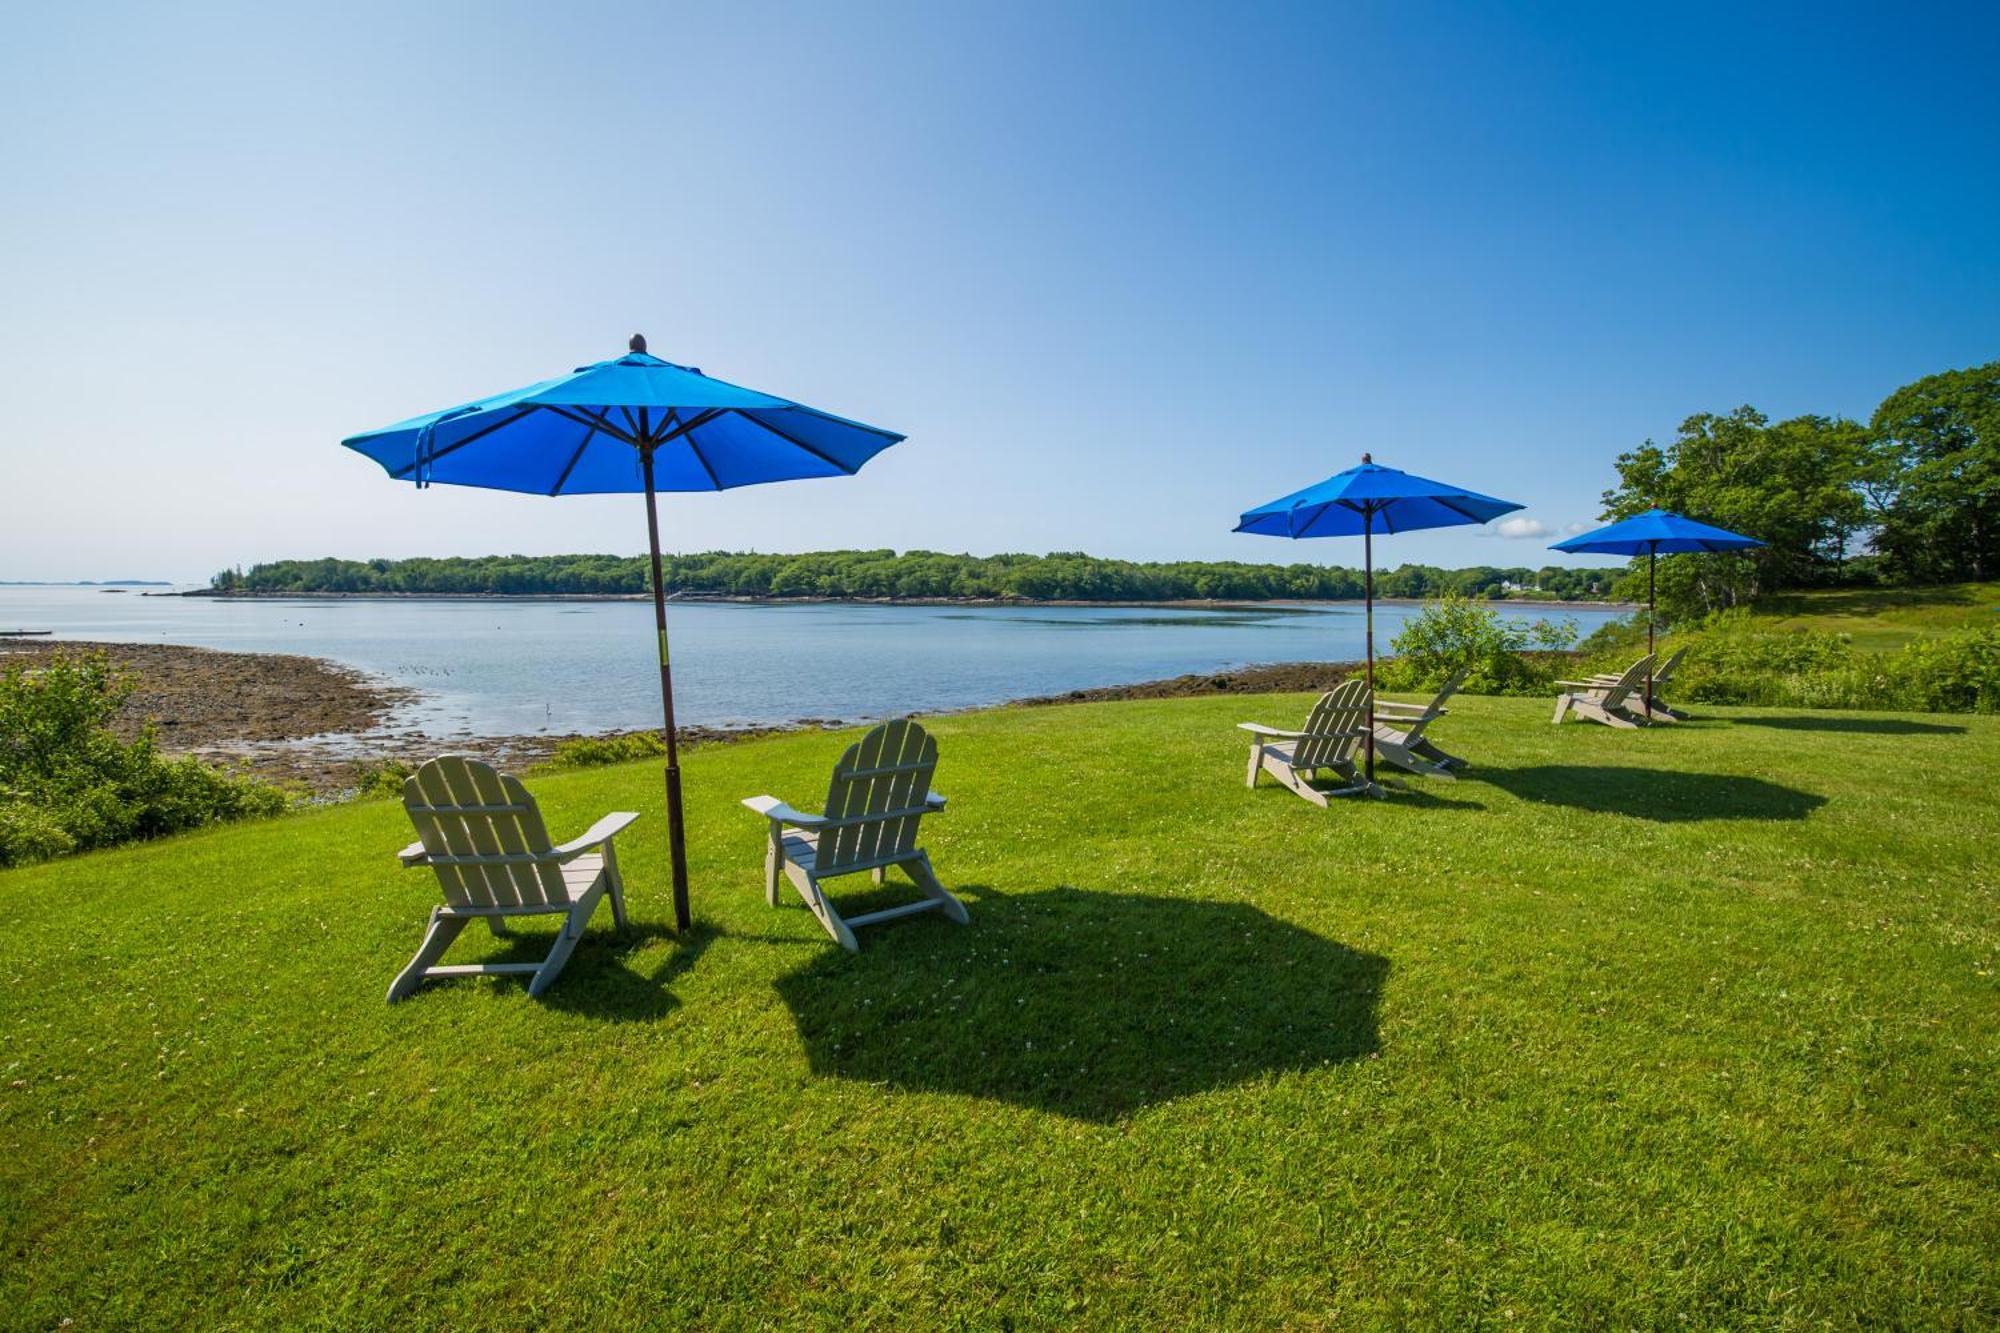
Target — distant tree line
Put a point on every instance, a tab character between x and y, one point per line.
1910	497
1061	576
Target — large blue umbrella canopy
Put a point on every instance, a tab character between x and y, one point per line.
1361	501
1371	498
1652	534
633	424
1656	532
581	434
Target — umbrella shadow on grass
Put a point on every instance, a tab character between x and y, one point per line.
599	981
1876	726
1091	1005
1661	795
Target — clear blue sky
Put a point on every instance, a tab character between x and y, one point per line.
1118	271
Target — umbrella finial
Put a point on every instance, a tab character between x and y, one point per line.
1367	458
637	343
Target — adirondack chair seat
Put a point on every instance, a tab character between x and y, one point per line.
879	793
579	877
482	834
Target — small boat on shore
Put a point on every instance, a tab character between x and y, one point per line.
23	633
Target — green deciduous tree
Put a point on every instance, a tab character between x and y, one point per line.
1792	484
1934	476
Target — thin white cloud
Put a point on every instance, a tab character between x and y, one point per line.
1576	527
1520	528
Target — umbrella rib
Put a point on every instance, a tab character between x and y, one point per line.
794	441
602	421
479	434
701	418
569	467
891	436
694	447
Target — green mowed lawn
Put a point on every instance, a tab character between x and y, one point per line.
1695	1026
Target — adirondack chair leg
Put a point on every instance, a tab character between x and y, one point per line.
566	938
1300	784
443	930
774	860
878	876
1406	758
1604	715
919	869
498	926
615	885
1256	762
1429	750
1357	784
1563	702
815	900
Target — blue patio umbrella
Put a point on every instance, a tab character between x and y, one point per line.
1652	534
1358	502
633	424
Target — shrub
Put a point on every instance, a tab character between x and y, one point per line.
594	751
1453	633
67	783
381	778
1955	673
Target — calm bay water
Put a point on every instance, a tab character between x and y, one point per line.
516	667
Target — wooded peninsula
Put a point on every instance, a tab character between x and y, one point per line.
907	575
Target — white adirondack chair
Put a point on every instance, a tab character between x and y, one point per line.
1329	740
1659	710
1610	704
880	792
483	835
1400	739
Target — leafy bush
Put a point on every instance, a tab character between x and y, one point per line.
1956	673
1453	634
67	783
595	751
384	777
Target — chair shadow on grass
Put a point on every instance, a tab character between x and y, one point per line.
1878	726
1661	795
598	981
1090	1005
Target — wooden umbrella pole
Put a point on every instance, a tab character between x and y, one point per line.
1652	600
1368	593
676	828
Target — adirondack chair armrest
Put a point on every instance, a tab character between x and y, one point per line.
413	855
1584	684
778	812
1410	710
597	834
1260	729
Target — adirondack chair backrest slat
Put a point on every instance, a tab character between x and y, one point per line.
1632	682
1667	669
877	793
1342	708
463	808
